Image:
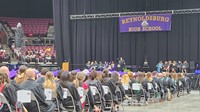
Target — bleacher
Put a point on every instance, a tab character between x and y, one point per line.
31	26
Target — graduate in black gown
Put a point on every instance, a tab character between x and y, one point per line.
172	83
92	81
38	91
107	81
166	86
143	91
149	78
185	82
5	70
160	84
65	83
115	78
41	79
58	76
8	91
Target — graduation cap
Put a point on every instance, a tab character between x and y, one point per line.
55	73
86	71
78	70
13	73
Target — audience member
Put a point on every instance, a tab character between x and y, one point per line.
21	76
38	91
8	91
166	84
65	83
49	82
92	81
41	79
58	76
81	77
5	70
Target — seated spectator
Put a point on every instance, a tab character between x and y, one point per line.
72	75
185	81
143	81
9	92
80	78
172	83
107	81
160	84
149	78
132	77
53	58
41	79
116	79
58	76
5	70
65	83
166	84
2	55
92	81
125	79
49	82
188	83
21	76
38	91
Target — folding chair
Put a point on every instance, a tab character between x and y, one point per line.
157	93
139	96
51	97
97	96
109	99
26	96
119	96
151	92
173	90
20	107
70	107
4	101
87	105
199	87
181	88
128	92
83	94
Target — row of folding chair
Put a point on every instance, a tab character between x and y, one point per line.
109	104
23	96
26	97
138	95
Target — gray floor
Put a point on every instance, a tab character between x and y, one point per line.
187	103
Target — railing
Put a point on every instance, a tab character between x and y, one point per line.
3	27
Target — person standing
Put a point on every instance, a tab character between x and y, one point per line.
159	67
185	67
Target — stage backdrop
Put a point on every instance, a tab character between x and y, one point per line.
100	39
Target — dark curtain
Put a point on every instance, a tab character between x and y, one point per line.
101	40
62	32
26	8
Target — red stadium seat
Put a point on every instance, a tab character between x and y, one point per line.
31	26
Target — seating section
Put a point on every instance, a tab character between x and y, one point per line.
31	26
50	49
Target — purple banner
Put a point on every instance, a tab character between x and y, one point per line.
145	23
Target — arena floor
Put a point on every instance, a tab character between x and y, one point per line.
187	103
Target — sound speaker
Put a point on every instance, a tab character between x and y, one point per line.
192	65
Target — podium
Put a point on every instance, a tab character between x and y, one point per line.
65	66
